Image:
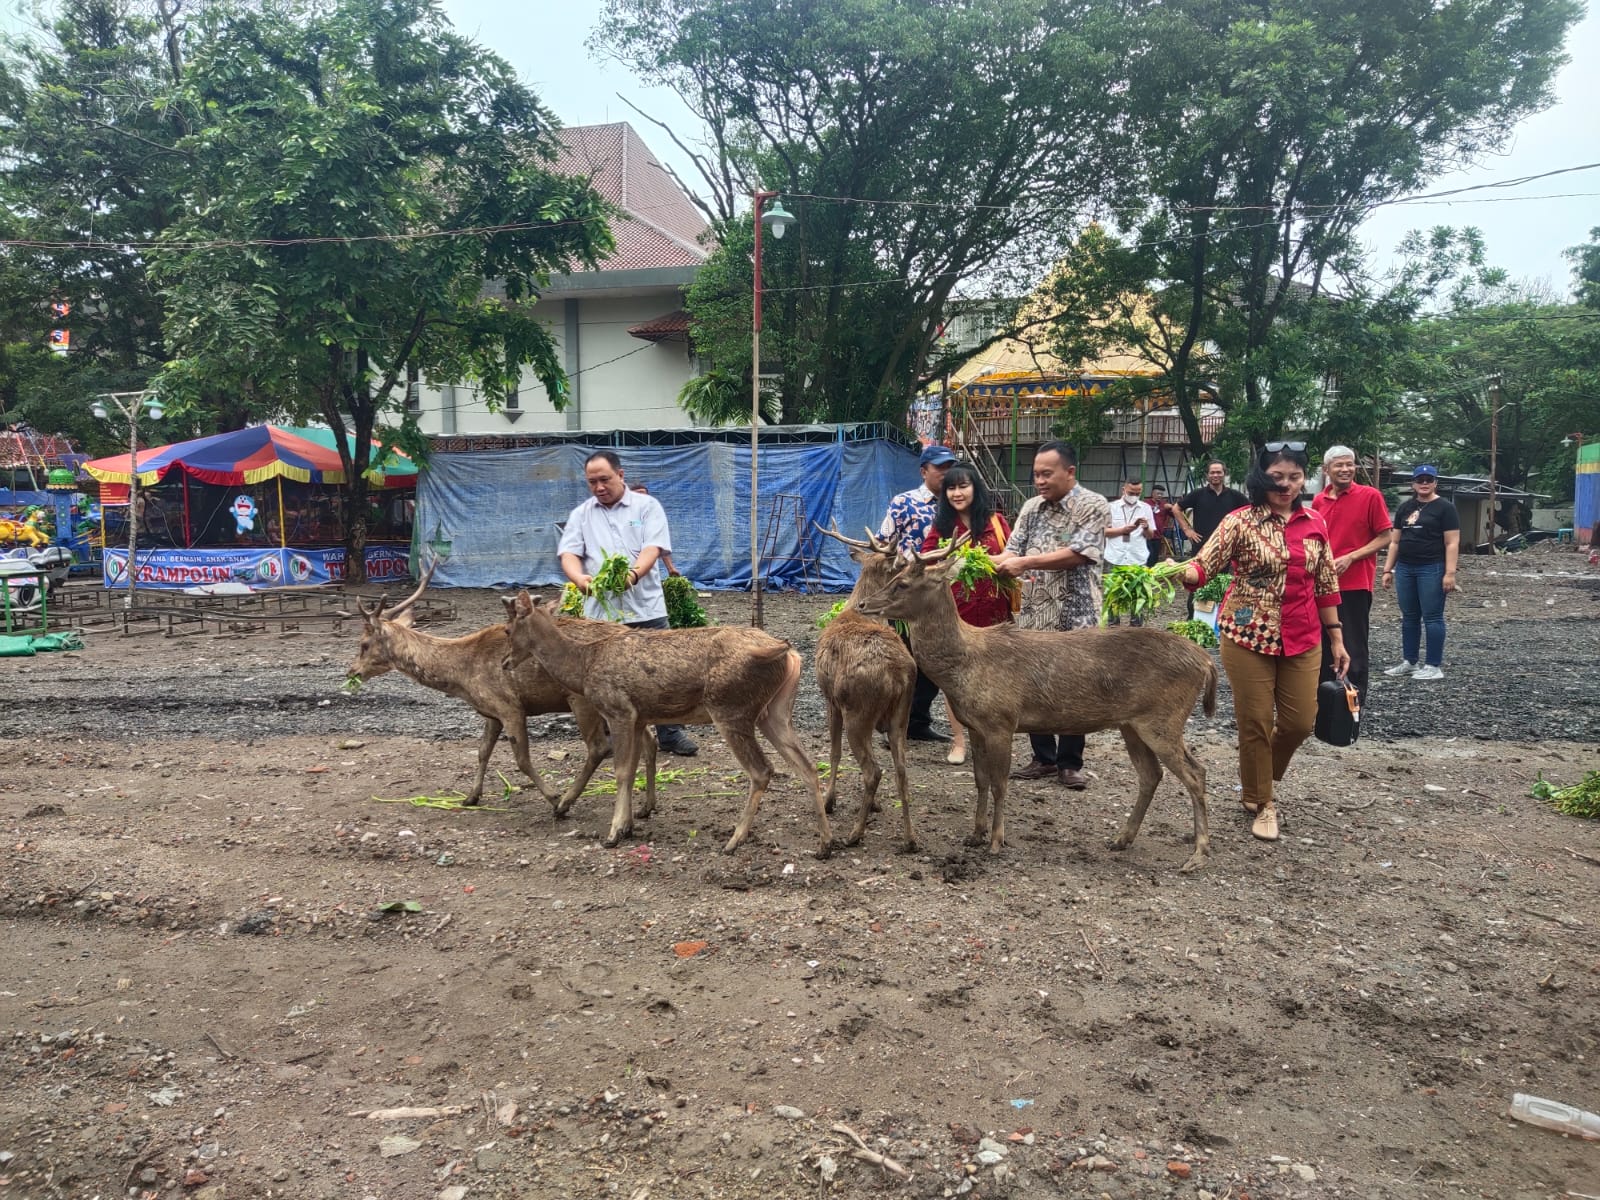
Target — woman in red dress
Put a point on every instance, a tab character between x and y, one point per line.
966	507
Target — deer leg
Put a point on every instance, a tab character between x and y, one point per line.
1148	768
987	760
897	752
1192	772
649	805
861	746
835	730
593	728
748	751
491	735
627	734
519	747
777	722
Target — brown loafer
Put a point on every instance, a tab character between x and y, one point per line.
1035	770
1266	824
1074	778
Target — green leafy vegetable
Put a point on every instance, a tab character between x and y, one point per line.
1579	800
1138	591
352	685
571	601
1198	632
608	583
1212	591
683	605
975	565
838	607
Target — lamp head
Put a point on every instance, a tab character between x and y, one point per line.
155	411
99	410
777	218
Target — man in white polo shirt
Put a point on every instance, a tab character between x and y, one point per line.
615	520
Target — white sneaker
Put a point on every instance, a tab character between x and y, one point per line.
1427	673
1401	668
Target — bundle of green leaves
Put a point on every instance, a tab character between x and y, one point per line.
683	605
571	601
1579	800
608	583
1138	591
973	565
838	607
1212	591
1197	632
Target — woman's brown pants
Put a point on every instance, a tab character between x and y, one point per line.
1275	708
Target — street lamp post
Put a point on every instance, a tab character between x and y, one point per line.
129	404
780	220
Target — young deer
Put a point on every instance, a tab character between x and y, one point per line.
469	668
736	679
1003	680
866	676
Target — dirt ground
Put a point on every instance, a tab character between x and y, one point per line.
203	993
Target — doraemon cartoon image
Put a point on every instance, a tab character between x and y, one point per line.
244	513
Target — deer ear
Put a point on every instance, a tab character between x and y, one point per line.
510	603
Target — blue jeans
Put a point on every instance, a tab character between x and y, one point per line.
1419	590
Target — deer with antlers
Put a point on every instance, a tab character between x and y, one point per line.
470	668
866	676
736	679
1003	680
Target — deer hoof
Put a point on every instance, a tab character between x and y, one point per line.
1194	863
997	843
472	801
1119	843
828	803
976	838
855	837
825	848
911	846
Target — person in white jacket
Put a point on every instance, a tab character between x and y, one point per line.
1131	522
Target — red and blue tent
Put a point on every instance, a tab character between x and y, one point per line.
247	456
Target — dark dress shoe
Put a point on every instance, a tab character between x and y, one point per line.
1035	770
680	744
925	733
1074	778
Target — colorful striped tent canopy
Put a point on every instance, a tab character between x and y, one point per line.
398	469
245	456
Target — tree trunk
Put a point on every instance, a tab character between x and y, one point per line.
355	532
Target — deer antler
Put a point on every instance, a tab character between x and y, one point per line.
833	532
422	586
943	552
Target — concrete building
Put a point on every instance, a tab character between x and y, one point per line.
621	329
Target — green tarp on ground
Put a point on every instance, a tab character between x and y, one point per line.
21	645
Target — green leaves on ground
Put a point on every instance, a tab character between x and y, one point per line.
1213	589
1579	800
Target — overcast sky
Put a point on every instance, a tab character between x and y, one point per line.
1526	228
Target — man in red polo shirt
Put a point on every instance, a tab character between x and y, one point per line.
1358	526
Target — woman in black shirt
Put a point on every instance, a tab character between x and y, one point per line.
1423	548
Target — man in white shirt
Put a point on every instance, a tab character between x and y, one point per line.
615	520
1129	525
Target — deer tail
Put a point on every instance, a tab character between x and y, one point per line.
785	694
1211	688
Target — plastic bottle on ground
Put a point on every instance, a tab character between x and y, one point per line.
1550	1114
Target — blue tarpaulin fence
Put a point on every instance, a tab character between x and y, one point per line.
499	512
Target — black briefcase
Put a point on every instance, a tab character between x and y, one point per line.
1338	713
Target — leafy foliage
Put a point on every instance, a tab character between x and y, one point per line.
683	605
354	173
1197	632
1581	799
918	144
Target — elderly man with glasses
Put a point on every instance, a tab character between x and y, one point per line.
1358	527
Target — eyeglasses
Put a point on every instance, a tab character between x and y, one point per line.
1295	447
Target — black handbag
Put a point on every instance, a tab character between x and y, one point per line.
1338	713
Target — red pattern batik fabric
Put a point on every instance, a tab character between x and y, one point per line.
1282	575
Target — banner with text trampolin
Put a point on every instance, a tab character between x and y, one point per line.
257	568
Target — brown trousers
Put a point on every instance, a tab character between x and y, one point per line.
1275	708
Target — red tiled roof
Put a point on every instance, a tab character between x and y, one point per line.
660	328
659	226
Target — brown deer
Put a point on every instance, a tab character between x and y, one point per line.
470	668
866	676
735	679
1003	680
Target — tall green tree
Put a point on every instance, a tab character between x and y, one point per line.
357	171
920	145
1270	130
91	170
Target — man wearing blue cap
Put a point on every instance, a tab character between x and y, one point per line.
906	525
1421	565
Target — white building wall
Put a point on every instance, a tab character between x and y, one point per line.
616	381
